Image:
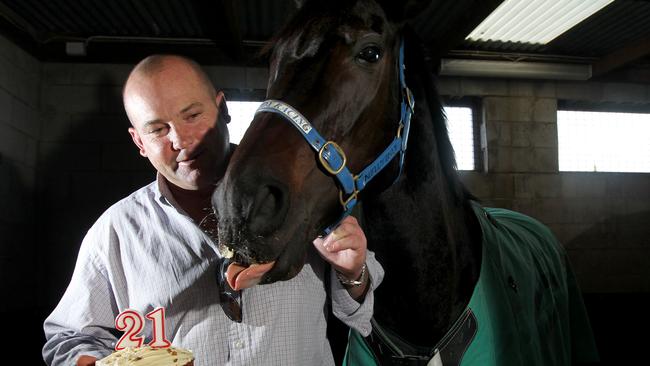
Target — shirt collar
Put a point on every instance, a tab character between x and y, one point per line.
164	194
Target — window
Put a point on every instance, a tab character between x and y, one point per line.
241	115
460	125
603	141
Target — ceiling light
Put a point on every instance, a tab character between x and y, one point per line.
534	21
512	69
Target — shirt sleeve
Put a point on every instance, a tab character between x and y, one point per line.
82	322
354	314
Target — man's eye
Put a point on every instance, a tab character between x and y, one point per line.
195	115
155	130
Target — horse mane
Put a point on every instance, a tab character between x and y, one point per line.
430	217
421	78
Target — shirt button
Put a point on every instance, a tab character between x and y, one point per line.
239	344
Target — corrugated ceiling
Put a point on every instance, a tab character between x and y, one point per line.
232	31
618	24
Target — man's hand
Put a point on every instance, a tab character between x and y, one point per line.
345	249
86	361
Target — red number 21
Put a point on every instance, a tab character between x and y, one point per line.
131	323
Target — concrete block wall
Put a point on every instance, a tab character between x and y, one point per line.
603	219
19	133
86	162
20	76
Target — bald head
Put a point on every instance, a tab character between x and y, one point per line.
154	64
149	74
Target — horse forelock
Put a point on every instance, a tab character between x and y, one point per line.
420	77
318	21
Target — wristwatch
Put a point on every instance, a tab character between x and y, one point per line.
355	283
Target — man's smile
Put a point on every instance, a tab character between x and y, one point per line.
188	159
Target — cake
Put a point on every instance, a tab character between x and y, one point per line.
148	356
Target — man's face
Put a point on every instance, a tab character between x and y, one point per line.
176	126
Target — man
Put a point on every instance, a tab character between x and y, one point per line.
148	250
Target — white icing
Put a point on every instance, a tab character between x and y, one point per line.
147	356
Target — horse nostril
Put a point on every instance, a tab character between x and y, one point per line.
269	209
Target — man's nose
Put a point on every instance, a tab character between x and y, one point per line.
181	137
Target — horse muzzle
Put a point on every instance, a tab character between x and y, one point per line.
251	208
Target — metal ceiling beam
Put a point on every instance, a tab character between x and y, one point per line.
622	56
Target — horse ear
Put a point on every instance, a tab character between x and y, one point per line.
401	11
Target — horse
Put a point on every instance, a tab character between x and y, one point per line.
353	71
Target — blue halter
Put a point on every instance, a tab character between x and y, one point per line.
333	159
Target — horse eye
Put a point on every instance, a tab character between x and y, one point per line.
370	54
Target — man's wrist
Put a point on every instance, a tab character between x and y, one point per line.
357	282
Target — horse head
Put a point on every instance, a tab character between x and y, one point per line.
336	64
337	69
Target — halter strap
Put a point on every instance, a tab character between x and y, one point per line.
332	158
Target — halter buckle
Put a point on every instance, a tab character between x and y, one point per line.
345	202
326	164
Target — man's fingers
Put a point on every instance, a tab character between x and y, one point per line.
349	242
344	248
333	240
331	245
348	228
319	243
348	235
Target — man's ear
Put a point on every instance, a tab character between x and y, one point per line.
137	140
223	108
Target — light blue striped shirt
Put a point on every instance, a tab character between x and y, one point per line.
145	252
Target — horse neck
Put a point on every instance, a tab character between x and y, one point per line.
425	238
